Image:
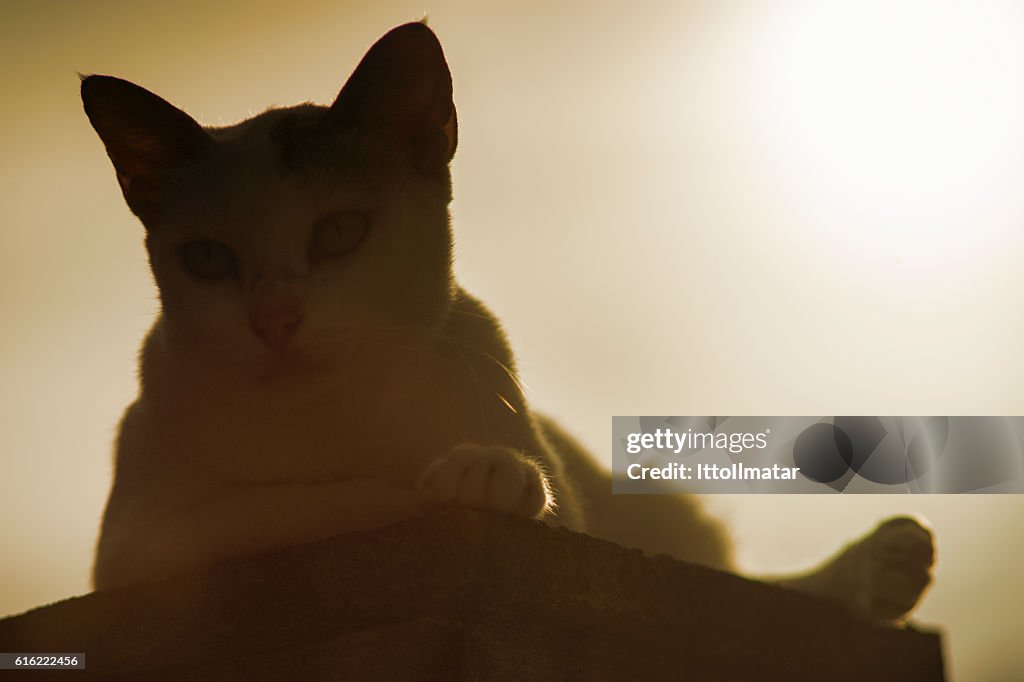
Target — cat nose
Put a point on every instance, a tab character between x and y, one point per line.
276	321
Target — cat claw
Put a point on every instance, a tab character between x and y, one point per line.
493	478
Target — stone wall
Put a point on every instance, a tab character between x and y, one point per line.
465	596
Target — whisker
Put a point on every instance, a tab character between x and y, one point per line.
511	373
469	313
465	369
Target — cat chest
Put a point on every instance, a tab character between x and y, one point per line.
393	442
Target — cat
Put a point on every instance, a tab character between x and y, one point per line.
315	368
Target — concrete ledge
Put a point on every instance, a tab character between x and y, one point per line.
466	596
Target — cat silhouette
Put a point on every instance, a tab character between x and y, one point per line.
315	368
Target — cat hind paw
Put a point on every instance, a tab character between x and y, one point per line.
895	568
881	577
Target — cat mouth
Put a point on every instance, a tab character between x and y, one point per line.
291	365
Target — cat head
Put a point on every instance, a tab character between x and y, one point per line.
292	240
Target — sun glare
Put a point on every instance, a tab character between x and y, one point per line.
899	124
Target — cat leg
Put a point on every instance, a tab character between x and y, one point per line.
142	541
880	577
494	477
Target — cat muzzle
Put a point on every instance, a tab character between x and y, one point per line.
276	322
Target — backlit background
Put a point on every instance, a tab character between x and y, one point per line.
676	208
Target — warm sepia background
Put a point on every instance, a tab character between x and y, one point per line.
675	207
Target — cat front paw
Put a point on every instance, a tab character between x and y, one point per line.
495	478
895	568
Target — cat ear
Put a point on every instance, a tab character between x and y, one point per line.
403	87
144	136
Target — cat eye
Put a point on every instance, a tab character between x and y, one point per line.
208	259
338	234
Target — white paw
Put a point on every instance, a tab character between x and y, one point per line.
895	568
494	477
